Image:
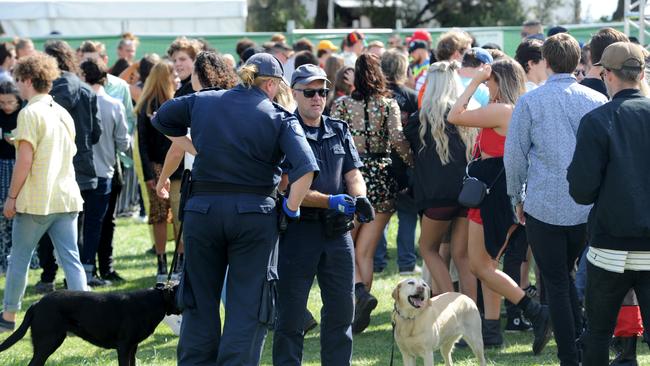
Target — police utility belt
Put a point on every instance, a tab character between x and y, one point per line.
334	223
206	188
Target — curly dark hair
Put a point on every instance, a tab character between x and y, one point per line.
213	71
94	71
63	54
369	80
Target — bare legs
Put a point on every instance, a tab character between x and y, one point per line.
366	237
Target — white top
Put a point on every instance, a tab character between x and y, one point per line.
619	260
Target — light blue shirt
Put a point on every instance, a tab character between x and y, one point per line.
119	89
539	148
482	93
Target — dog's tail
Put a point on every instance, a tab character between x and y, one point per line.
19	333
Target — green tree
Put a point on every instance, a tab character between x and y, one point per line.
272	15
463	13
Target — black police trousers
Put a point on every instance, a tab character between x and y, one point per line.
237	231
305	252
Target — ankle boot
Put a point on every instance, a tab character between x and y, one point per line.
491	330
364	304
626	355
539	316
162	263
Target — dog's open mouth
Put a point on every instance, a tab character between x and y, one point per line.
416	300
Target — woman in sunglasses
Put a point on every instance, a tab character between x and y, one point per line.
374	121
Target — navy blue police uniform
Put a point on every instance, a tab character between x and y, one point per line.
230	218
307	249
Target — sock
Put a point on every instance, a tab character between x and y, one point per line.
523	303
162	263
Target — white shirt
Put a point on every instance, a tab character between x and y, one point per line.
619	261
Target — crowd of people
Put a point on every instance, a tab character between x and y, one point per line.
340	141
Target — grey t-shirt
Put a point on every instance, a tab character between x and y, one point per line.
115	136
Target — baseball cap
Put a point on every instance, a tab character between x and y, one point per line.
267	65
326	45
483	55
622	55
422	35
417	44
307	73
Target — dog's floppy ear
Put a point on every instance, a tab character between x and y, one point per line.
396	292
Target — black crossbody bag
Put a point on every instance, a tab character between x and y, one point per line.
474	190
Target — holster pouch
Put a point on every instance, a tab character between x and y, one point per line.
267	312
186	191
336	224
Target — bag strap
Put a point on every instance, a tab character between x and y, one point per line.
495	180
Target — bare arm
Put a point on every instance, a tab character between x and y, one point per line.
494	115
299	190
21	170
173	159
183	142
355	183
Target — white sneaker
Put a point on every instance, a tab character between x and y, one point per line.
416	270
174	322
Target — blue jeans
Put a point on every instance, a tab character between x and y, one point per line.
405	242
95	206
27	230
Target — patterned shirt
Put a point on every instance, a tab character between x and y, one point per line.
50	186
539	148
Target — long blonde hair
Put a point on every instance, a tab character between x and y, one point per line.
443	87
249	78
158	87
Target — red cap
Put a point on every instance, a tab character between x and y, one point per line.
422	35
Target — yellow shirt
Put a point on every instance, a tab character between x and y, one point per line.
50	186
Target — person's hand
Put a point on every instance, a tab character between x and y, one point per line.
365	212
163	188
151	184
342	203
482	74
293	214
519	210
9	210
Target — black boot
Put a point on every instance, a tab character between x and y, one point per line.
539	316
364	304
491	331
309	322
161	276
626	352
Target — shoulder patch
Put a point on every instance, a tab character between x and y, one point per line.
297	128
281	108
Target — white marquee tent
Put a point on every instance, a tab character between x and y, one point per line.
32	18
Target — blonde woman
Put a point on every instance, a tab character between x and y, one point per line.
153	147
491	225
440	153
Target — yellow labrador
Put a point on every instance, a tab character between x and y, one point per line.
423	325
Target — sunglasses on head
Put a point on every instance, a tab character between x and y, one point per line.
310	93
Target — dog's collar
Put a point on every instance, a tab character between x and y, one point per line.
400	314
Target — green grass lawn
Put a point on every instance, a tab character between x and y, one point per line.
370	348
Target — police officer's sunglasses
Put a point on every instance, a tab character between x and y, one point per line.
310	93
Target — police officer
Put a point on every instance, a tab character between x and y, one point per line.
240	137
320	243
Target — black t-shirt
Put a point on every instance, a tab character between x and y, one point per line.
407	100
7	124
595	84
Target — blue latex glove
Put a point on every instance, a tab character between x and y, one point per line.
342	203
289	212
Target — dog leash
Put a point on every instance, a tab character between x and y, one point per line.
185	192
392	347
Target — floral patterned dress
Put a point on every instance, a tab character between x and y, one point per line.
376	128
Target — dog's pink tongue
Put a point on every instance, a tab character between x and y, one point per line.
418	302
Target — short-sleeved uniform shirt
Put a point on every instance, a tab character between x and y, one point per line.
240	136
335	154
50	186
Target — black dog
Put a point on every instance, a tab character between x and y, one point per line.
109	320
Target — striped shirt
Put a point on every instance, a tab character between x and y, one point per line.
619	261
